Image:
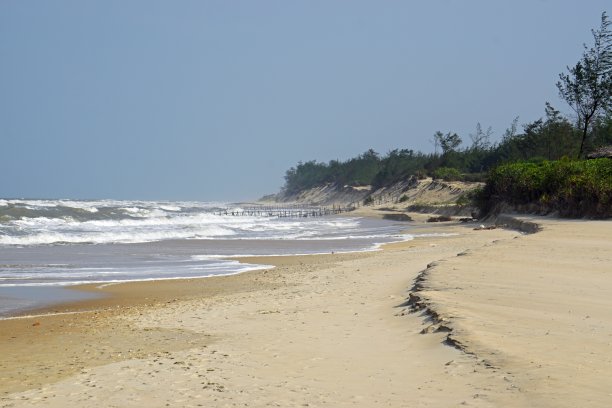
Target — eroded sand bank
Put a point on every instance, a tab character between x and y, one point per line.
538	307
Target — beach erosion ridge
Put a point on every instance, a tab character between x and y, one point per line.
339	329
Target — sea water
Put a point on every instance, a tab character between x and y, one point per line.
46	245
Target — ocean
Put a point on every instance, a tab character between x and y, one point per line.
46	245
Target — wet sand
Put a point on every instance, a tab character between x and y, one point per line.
335	330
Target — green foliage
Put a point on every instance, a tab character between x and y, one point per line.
475	177
551	138
571	187
587	87
398	165
601	134
403	198
449	142
361	170
305	176
471	198
358	171
366	169
368	200
447	174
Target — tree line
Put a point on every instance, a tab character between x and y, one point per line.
587	89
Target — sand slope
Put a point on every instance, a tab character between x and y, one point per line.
539	307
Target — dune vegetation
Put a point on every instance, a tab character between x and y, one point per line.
541	168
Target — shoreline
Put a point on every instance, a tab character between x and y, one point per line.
221	259
95	288
337	330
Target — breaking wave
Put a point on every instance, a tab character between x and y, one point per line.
45	222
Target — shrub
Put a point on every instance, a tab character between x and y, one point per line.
470	198
571	187
475	177
447	174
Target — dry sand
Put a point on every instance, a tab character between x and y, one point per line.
538	307
531	312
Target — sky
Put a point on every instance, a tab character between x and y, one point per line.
215	100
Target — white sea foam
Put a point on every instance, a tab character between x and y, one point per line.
87	206
170	207
114	235
132	222
218	269
50	231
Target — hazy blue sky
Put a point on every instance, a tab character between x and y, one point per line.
214	100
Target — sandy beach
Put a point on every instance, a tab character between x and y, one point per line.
506	320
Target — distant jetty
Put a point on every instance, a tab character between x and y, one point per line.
286	211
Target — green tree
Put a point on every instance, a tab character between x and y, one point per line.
481	140
449	142
587	87
558	135
602	131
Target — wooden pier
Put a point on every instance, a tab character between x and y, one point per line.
286	211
